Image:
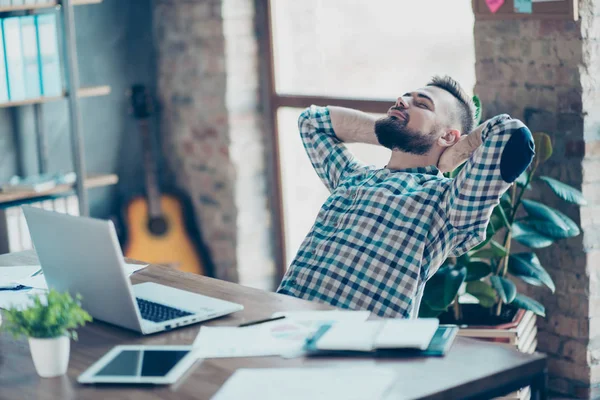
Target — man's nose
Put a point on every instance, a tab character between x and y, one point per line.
401	103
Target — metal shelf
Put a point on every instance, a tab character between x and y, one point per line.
49	4
93	91
91	181
66	25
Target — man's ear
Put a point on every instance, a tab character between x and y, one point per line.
449	138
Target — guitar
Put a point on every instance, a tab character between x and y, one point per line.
160	227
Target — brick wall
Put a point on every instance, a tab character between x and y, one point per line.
206	61
256	266
544	73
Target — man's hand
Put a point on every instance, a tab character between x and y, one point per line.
460	152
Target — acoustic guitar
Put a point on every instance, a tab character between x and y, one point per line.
160	227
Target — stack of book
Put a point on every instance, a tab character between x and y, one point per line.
521	335
29	58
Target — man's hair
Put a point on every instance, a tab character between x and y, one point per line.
466	111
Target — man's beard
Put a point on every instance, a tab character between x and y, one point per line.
394	134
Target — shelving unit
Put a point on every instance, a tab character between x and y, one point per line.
49	4
71	69
93	91
91	181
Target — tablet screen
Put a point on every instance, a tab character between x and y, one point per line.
142	363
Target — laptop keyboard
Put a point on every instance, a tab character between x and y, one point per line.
156	312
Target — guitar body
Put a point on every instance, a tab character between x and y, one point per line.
173	247
159	226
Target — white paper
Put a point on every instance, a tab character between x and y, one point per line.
9	276
36	282
39	285
406	333
359	336
284	337
39	281
252	341
130	269
18	298
348	383
325	316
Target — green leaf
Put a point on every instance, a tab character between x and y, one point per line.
56	315
543	147
549	229
505	288
477	270
441	289
495	250
456	171
522	180
478	109
506	199
564	191
427	312
483	292
526	235
501	217
571	225
528	303
537	210
527	267
464	259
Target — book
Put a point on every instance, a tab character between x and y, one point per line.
374	338
50	65
3	76
14	59
31	64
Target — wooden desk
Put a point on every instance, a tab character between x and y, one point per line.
472	369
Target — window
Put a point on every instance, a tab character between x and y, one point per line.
359	54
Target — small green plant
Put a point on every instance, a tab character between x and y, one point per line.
488	270
59	314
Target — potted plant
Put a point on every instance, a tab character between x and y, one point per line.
488	272
49	325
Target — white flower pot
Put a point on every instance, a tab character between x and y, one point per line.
50	356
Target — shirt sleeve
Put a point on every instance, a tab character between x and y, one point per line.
328	155
506	151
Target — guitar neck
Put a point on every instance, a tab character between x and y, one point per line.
152	189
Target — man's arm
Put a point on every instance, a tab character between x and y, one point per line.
353	126
323	131
503	149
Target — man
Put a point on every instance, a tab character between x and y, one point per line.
382	233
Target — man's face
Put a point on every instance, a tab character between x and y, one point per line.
417	120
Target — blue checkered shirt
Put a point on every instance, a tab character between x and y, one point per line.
383	233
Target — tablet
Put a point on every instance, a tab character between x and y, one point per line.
160	365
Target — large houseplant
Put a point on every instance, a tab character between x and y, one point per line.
488	271
49	324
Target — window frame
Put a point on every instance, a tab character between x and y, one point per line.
272	102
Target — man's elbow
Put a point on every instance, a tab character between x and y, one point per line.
307	116
517	155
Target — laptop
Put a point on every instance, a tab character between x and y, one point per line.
82	255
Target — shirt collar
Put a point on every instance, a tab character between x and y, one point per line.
430	169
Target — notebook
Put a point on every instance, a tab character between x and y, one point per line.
387	337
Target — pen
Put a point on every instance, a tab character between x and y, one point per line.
260	321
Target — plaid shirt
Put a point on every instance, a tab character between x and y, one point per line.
383	233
